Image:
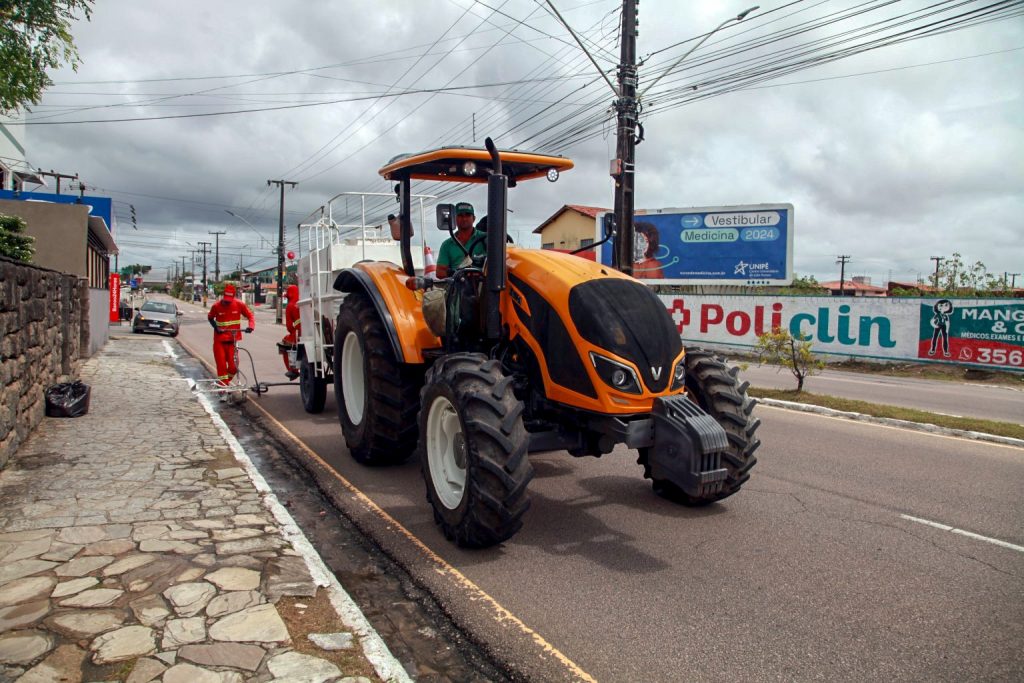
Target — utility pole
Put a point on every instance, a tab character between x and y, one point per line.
280	246
842	272
624	164
938	260
216	258
58	176
1013	280
627	108
205	246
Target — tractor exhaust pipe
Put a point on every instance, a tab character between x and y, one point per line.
497	230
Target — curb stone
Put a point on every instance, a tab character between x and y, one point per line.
892	422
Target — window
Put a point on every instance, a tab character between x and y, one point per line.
548	245
586	242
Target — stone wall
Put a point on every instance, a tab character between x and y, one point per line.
44	333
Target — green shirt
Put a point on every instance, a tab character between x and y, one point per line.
451	254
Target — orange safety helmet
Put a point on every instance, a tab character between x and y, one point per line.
229	291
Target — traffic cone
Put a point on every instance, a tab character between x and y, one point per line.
429	264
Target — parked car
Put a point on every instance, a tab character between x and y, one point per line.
157	316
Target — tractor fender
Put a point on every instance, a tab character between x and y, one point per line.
399	308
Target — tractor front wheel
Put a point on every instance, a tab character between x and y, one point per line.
377	397
473	449
716	388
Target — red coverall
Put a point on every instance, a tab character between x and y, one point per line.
226	314
292	324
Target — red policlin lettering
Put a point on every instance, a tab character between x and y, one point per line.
706	320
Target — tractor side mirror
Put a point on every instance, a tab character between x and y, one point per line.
444	216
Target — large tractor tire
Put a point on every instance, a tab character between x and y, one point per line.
313	389
377	397
473	448
715	387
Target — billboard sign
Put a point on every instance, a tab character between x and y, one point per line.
966	332
711	245
974	332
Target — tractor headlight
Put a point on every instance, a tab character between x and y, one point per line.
616	375
679	375
469	168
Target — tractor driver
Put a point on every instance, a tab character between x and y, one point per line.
451	255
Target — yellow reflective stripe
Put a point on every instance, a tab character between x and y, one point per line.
226	323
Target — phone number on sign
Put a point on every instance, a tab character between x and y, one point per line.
999	356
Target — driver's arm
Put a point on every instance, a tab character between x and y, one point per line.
442	272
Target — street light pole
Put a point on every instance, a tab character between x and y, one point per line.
627	107
628	120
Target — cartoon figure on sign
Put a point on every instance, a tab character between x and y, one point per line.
646	245
940	321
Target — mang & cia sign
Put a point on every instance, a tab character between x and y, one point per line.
962	331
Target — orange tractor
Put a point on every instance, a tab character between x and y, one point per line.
534	350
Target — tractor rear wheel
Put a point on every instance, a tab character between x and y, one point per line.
473	448
377	397
716	388
313	389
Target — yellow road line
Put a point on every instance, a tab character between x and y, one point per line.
501	614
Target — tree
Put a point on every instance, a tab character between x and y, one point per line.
956	278
35	35
134	269
779	347
804	285
12	243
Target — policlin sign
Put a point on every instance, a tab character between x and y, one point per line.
977	332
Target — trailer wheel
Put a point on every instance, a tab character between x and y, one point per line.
473	449
377	397
313	389
716	388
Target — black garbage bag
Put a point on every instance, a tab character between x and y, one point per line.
69	399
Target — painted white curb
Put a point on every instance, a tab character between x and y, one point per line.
891	422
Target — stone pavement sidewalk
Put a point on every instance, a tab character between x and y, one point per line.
138	543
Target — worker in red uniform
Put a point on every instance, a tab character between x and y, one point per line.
292	324
225	318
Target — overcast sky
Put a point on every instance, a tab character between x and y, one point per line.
890	156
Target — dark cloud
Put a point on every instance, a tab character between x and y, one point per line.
891	168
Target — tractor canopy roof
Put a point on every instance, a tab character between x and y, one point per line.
471	165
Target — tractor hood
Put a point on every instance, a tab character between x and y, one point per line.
626	318
607	309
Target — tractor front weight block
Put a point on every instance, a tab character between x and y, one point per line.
688	445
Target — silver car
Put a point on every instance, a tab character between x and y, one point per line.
157	316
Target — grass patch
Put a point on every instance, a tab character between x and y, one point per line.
971	424
949	373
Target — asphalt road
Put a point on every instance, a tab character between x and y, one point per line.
965	399
812	571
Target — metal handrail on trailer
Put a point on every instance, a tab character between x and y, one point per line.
320	235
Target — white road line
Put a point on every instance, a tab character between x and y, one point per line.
961	532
